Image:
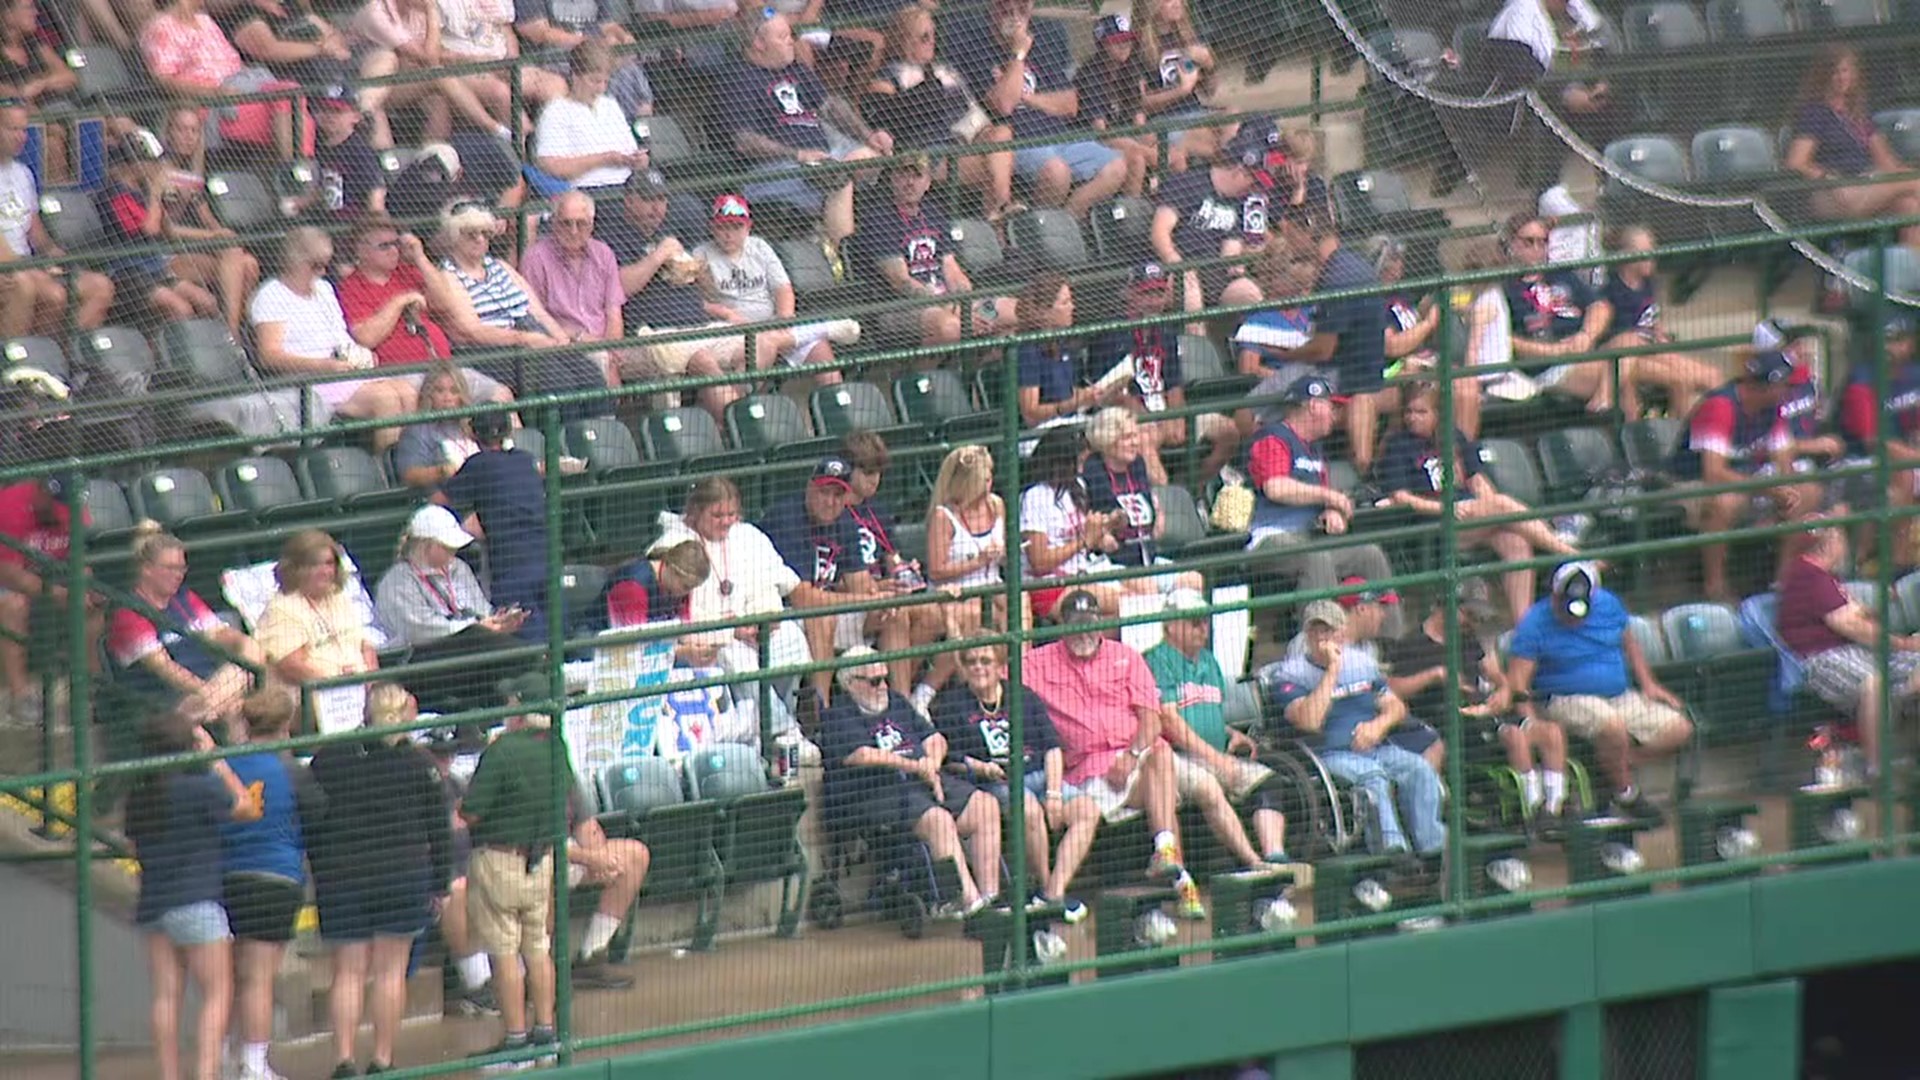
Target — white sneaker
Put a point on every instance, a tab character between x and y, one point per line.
843	331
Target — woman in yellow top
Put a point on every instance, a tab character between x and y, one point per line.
311	630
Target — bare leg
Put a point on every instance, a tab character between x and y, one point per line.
163	1013
1039	853
979	822
936	828
1083	823
345	995
211	966
1105	185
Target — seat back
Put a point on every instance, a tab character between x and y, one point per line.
257	484
976	245
602	442
1654	158
204	352
39	353
1759	628
766	422
1700	632
107	506
580	587
640	785
339	473
1733	155
1573	460
1184	524
807	267
1652	642
1415	53
119	357
1365	196
1122	229
101	70
1648	444
931	398
726	771
1906	596
681	433
1819	16
1510	467
1747	20
1201	357
528	441
669	143
845	406
173	496
241	201
1661	27
1049	238
72	220
1901	127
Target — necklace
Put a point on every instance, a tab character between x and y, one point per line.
717	551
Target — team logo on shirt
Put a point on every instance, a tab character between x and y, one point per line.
869	547
793	111
1138	506
1253	215
826	562
1649	317
923	254
1213	215
1171	63
1197	693
1550	303
575	15
995	732
888	736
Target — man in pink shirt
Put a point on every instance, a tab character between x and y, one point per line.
1119	741
575	276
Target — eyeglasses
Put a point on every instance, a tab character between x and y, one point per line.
179	567
385	245
572	223
476	234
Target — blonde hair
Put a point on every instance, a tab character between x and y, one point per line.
451	375
1144	19
152	540
901	25
268	711
387	705
966	476
1108	427
304	550
688	558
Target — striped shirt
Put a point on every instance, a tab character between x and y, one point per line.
498	299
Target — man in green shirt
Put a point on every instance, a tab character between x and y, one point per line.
1195	690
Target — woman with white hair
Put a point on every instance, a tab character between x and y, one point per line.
382	860
1120	474
884	765
299	329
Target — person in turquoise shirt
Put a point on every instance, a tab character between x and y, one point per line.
1193	686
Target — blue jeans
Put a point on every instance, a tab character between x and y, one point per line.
1383	769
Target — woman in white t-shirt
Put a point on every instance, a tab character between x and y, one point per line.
1060	538
584	137
747	283
299	329
1490	333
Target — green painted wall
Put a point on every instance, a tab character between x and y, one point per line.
1742	942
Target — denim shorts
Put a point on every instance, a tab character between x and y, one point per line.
1085	159
201	923
1035	782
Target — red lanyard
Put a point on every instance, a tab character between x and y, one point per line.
872	526
441	596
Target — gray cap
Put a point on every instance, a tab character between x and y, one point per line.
1325	612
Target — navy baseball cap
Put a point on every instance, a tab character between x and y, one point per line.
1113	28
1309	388
647	184
1772	367
1077	607
492	426
1148	275
833	469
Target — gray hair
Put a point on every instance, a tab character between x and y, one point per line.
846	675
1107	428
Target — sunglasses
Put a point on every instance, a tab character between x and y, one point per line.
868	680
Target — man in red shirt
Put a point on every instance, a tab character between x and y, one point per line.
1837	638
33	519
387	299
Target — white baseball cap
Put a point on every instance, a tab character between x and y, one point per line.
437	523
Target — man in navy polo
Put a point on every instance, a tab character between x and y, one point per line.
501	497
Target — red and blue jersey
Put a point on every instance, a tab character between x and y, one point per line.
1719	424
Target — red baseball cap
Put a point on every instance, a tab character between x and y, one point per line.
1370	596
732	208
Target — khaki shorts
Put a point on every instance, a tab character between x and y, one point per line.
1584	715
1112	803
508	906
1190	778
669	359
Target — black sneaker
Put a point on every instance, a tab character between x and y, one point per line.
345	1069
472	1003
599	975
374	1068
1640	809
545	1038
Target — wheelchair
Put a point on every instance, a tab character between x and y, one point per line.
909	885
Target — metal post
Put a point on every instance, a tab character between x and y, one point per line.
1450	596
1883	539
79	708
1018	958
556	708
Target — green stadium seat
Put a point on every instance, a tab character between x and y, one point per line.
671	145
242	202
119	354
988	388
910	540
938	400
1652	642
72	220
1649	444
854	405
1210	376
978	248
1710	667
759	838
344	476
1671	98
772	425
1901	267
1510	466
1702	632
1654	158
1901	127
1733	158
814	281
262	487
681	434
203	352
1047	238
1743	21
180	499
726	771
1906	596
1823	17
605	444
1187	532
1122	230
102	72
107	508
646	801
530	441
1573	460
580	587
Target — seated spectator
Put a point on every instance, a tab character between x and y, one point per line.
1193	689
1299	194
310	629
479	31
1294	499
428	454
299	329
1349	336
263	864
1633	297
1411	473
430	601
173	825
1570	662
1111	87
1556	314
1199	215
747	283
403	36
1051	392
698	15
351	182
923	104
906	242
1412	337
584	137
973	718
1276	345
1368	611
133	210
1120	743
1180	70
782	116
1157	382
658	587
1858	421
1837	638
171	645
35	301
1061	538
382	860
1339	698
874	523
1416	667
490	308
387	300
1490	333
501	498
34	515
1806	404
747	578
1120	476
817	537
1834	139
33	72
552	31
575	276
1735	433
885	769
189	57
231	273
1022	70
661	279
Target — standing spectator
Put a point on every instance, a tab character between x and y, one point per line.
33	515
1194	689
1834	138
265	866
584	137
300	329
1295	499
232	273
1198	216
782	116
1735	433
747	283
575	276
1555	313
1119	741
1632	294
190	58
1112	87
973	717
395	36
1570	662
1158	383
660	279
161	646
1023	73
1411	469
133	208
310	629
1339	696
431	602
1837	638
35	301
500	495
907	247
382	859
925	104
173	824
1352	331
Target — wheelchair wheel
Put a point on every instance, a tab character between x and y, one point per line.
824	907
913	916
1311	826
